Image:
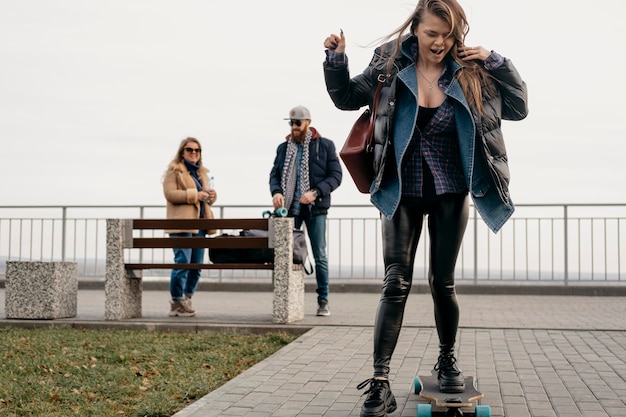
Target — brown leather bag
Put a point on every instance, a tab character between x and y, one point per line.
357	152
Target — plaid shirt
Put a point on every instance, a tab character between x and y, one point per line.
437	146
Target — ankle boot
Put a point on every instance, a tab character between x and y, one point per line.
380	400
449	375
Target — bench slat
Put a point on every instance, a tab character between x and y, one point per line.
205	224
222	242
198	266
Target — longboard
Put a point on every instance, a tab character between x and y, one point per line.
451	404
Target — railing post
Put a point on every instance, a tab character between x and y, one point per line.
565	245
220	272
63	232
141	216
475	247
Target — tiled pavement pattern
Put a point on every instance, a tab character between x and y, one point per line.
533	355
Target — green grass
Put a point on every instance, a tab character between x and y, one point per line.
62	372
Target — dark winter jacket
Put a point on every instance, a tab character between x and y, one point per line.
481	142
324	170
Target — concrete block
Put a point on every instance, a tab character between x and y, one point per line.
123	293
288	281
41	290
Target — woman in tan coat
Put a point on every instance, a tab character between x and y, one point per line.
189	195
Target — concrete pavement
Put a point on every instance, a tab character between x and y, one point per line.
534	355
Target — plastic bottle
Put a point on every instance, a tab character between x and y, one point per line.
212	183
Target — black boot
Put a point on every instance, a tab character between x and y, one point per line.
380	399
450	376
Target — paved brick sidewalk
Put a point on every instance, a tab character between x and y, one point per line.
522	373
534	355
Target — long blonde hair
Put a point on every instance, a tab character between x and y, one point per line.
472	77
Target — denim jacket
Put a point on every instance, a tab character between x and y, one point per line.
481	142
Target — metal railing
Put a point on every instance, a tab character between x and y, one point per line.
559	243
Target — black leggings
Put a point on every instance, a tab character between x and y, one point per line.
447	219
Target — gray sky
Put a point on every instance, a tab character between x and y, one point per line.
96	95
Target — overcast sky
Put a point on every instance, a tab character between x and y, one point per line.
96	95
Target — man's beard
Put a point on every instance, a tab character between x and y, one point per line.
298	136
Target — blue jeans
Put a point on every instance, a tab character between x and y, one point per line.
316	229
185	281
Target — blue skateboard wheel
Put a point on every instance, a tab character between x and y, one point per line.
483	411
424	410
417	385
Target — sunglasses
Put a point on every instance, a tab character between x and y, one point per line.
295	122
192	150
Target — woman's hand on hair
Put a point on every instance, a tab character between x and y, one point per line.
470	53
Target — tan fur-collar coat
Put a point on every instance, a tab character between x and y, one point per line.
181	194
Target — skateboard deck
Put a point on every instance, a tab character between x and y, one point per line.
452	404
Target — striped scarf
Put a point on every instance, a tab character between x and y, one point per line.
289	178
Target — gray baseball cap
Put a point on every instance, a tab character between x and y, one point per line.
299	113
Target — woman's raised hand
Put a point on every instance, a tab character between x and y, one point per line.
336	43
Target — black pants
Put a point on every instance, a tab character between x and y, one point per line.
447	220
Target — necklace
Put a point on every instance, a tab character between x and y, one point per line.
430	83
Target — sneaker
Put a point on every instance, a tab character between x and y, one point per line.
449	375
187	303
379	400
322	308
179	308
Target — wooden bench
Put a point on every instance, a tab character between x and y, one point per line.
123	287
215	242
